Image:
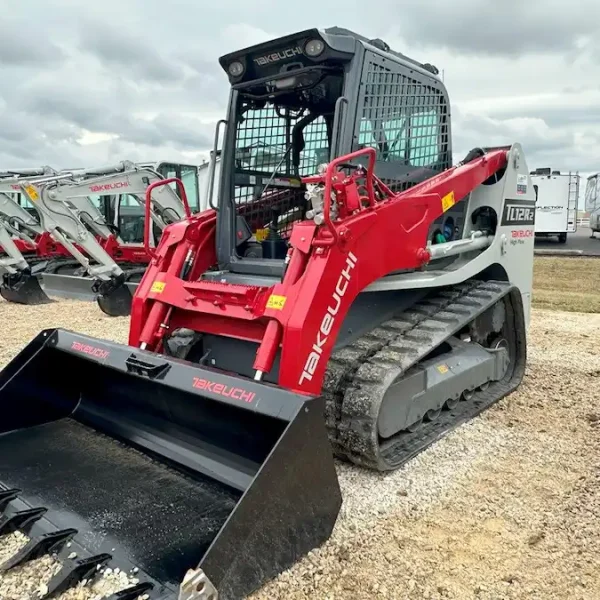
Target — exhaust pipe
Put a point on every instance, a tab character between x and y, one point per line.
153	463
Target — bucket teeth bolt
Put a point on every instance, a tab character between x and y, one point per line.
197	586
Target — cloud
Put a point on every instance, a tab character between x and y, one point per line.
510	28
20	48
95	83
115	48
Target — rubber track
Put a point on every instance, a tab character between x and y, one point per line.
359	375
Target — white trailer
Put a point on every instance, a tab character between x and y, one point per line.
556	202
592	202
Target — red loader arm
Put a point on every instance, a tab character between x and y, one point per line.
376	233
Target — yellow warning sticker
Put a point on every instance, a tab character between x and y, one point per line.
448	201
31	192
261	234
442	369
276	302
158	287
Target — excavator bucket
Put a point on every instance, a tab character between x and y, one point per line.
114	457
23	289
116	303
69	286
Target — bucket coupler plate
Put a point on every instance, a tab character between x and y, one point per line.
162	465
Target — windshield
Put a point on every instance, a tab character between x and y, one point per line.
281	135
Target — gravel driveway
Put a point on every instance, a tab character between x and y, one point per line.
507	506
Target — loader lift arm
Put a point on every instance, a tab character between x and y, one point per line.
375	234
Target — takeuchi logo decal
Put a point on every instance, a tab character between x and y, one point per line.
221	389
314	357
90	350
278	56
106	187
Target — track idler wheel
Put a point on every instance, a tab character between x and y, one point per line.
23	288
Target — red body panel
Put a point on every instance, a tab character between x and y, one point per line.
46	247
377	233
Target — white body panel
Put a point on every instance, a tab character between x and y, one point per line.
204	182
556	205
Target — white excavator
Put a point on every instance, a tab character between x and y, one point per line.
87	229
90	231
25	249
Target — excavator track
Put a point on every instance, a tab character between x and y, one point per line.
359	375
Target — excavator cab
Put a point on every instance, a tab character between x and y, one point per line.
297	103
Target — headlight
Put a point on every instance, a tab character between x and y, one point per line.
236	68
314	48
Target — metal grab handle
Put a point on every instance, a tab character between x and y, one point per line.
329	184
337	120
146	369
147	219
213	165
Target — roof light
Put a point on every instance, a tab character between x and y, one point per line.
236	69
314	48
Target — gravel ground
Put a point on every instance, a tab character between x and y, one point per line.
507	506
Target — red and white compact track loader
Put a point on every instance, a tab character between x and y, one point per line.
352	294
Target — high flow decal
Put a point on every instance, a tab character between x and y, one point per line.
274	57
223	390
312	361
520	236
518	212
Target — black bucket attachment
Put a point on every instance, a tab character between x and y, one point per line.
23	288
150	463
117	302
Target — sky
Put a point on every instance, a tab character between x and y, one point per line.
88	83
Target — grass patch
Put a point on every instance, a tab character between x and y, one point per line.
565	283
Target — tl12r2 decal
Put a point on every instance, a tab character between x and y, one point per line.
518	212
